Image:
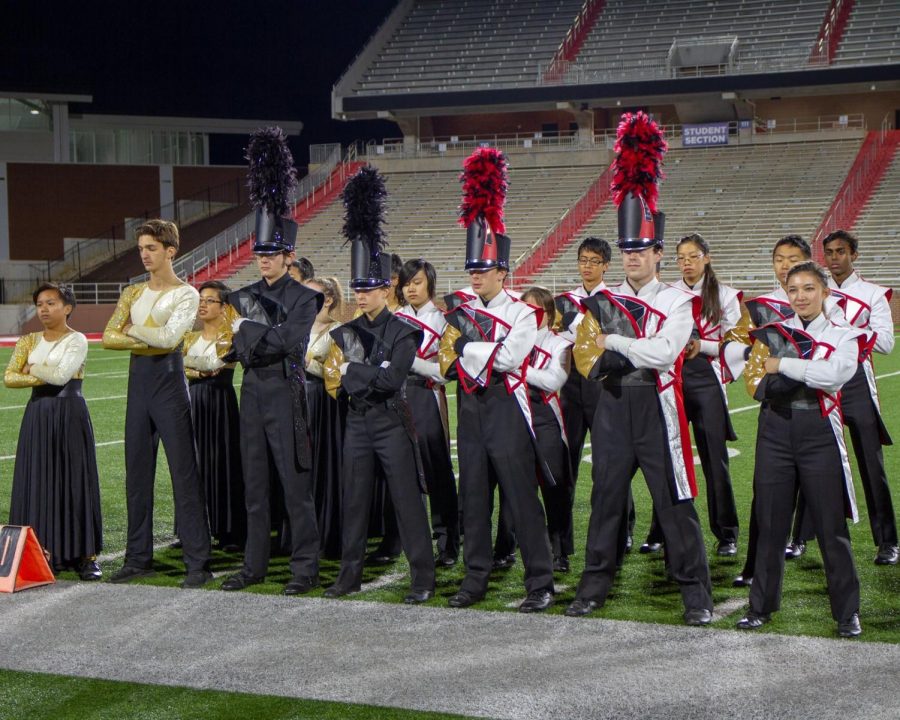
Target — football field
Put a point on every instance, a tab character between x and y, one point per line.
641	593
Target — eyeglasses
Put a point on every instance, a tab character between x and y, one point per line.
682	259
210	301
594	262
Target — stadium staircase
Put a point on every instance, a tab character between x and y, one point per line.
571	45
876	218
871	163
422	220
322	197
832	31
872	34
740	198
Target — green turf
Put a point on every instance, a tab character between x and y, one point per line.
34	695
641	592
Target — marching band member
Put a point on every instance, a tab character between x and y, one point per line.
150	321
796	369
270	339
326	424
369	363
428	404
486	347
55	486
548	370
866	305
216	417
633	338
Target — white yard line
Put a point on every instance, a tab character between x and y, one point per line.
103	444
90	399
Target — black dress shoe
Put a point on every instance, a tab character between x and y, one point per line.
850	628
697	617
537	601
445	559
414	597
464	599
127	573
753	621
380	557
794	550
336	591
175	545
561	564
301	584
887	555
504	562
742	580
196	579
239	581
580	608
726	549
88	570
650	547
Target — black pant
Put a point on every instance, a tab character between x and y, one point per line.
579	398
864	424
379	434
631	419
267	452
438	467
493	442
797	448
159	408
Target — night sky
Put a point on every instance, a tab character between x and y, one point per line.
219	58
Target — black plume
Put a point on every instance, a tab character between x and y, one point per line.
364	197
272	176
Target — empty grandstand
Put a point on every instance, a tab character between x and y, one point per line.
878	229
872	34
741	199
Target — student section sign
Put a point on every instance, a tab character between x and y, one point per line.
705	134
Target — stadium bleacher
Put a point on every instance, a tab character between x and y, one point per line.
422	214
634	36
741	199
878	230
872	34
466	44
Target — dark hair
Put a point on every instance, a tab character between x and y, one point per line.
812	268
408	272
305	268
794	241
164	231
396	264
598	246
544	299
216	285
64	291
710	303
851	240
331	288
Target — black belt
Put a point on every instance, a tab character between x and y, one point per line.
268	371
70	389
361	407
642	377
172	362
413	380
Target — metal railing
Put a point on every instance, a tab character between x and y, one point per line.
226	245
461	145
112	242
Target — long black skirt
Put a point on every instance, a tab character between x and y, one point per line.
55	485
326	429
217	433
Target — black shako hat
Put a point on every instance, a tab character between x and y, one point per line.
485	181
637	170
271	178
364	197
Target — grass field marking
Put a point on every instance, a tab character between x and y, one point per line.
121	553
103	444
110	374
90	399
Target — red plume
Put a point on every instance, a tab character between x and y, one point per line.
640	147
485	180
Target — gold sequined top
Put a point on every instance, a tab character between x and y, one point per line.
332	369
446	354
64	361
585	351
755	369
210	359
171	316
318	350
